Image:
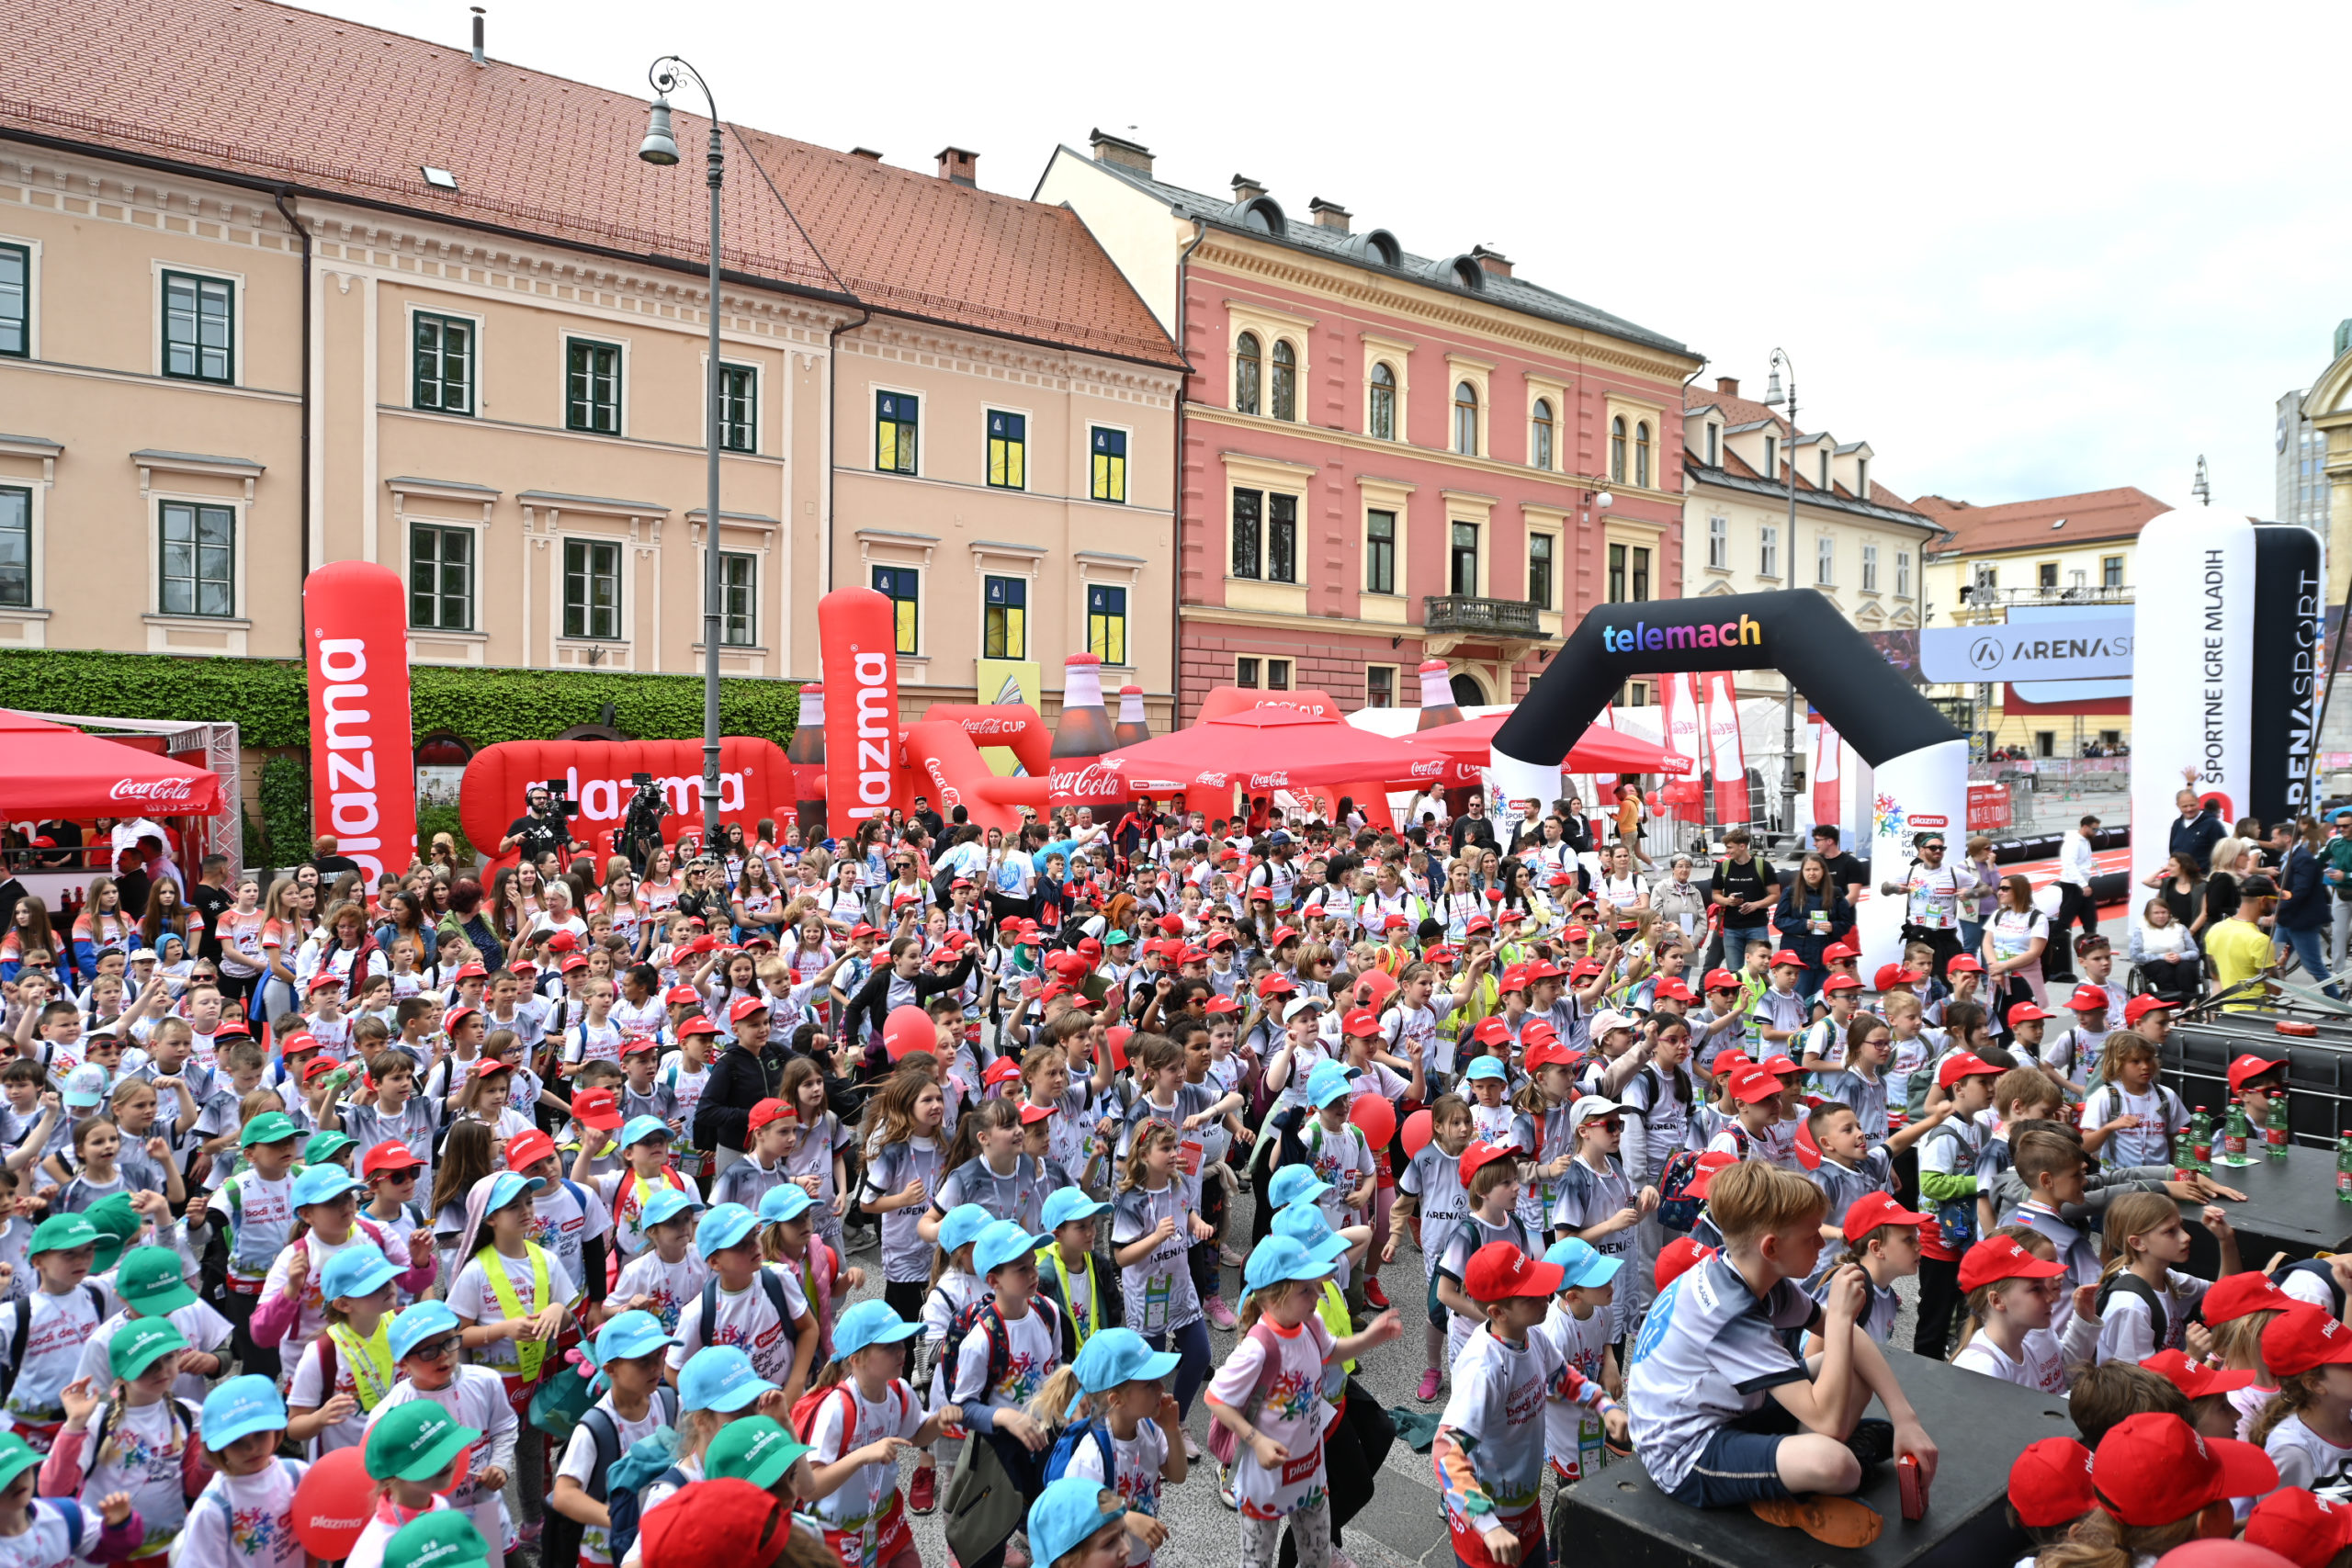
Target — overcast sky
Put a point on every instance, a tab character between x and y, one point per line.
2022	250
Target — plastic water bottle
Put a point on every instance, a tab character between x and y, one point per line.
2184	1159
2234	1133
2200	1138
2275	1135
2343	1167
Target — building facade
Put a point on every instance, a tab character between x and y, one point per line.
464	335
2327	409
2300	476
1385	458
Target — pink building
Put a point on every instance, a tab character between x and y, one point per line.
1386	458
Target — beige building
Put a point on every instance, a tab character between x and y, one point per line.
430	310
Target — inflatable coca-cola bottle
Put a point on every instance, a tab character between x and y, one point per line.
1081	736
806	755
1132	726
1438	706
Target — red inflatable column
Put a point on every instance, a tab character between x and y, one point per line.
858	634
363	767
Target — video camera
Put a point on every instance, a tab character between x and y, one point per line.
559	803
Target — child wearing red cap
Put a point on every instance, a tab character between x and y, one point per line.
1947	1157
1490	1177
2050	1488
2308	1530
2207	1388
2307	1428
2237	1310
2012	1281
1882	1238
2157	1484
1758	1130
2146	1299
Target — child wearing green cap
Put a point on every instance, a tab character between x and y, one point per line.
152	1284
140	1440
412	1455
62	1311
256	1206
40	1531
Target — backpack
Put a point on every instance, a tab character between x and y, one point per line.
2131	1285
1066	1445
1957	1217
20	1329
1223	1445
770	1281
805	1408
984	1313
2318	1269
1677	1208
562	1532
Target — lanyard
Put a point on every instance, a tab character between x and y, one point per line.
1093	1318
370	1361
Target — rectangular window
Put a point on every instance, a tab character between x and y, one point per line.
1106	624
1825	560
1245	672
591	589
1249	515
739	599
1772	457
1282	538
16	301
591	386
2046	574
444	353
1719	541
1004	618
199	545
1641	574
1110	458
1712	461
1903	574
199	328
440	578
1539	570
1380	552
1278	675
1870	568
2110	572
1634	695
899	584
738	408
895	420
1616	575
15	547
1008	451
1767	550
1380	685
1462	576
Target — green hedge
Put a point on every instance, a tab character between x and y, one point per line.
270	701
285	810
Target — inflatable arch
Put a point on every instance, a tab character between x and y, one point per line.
1918	761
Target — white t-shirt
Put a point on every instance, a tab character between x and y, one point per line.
671	1285
1497	1411
580	1463
472	1299
862	1504
147	1445
382	1525
477	1398
200	1325
2306	1459
1136	1461
746	1318
307	1391
1582	1344
239	1521
1032	1351
2126	1331
1292	1412
52	1352
2037	1364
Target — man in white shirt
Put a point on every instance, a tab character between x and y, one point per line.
2075	901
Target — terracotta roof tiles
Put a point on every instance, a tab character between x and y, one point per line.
2089	516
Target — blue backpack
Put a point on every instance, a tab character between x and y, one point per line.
1066	1449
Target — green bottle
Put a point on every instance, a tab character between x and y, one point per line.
2343	1167
2277	1135
2184	1158
2200	1138
2234	1134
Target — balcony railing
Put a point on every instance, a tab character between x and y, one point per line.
1492	617
1985	598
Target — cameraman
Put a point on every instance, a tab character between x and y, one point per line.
641	825
543	830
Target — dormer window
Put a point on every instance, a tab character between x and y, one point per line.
1712	432
1825	468
1862	478
1772	456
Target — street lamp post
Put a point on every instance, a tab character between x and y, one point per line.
1772	400
660	148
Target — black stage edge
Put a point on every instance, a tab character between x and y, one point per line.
2290	1207
1980	1426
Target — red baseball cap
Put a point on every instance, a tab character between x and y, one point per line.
1220	1005
1892	975
596	1107
563	942
1533	1032
1965	1065
1785	956
727	1523
769	1110
1478	923
2049	1483
1481	1153
577	961
524	1150
1216	939
470	971
2152	1469
1548	1052
1779	1066
1752	1084
1490	1030
232	1026
1720	980
2194	1379
1514	978
390	1155
2300	1526
696	1025
1875	1209
1030	1113
682	996
298	1041
1275	984
1584	966
482	1067
456	1016
2026	1013
1709	1164
1677	1258
743	1007
1360	1022
1499	1271
2248	1067
1835	983
318	1067
1730	1062
2087	998
323	979
1004	1069
1672	991
1396	922
637	1044
2238	1294
1574	934
2003	1258
2300	1338
1837	951
2141	1005
1963	963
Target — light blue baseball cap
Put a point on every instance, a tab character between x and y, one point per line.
505	1187
667	1203
1326	1082
722	1227
359	1271
961	1225
720	1377
1002	1243
870	1322
1305	1224
1066	1516
325	1184
1279	1258
241	1407
1581	1263
1067	1204
640	1128
1488	1067
418	1323
1116	1356
630	1335
788	1201
1294	1182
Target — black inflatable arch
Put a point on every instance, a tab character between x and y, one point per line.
1797	632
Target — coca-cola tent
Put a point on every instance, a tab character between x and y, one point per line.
54	770
1266	749
1599	750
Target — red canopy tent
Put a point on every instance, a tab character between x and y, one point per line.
54	770
1266	749
1599	750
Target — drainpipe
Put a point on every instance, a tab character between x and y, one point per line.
296	224
1176	507
832	424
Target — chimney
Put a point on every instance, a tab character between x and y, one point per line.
1728	385
959	166
868	153
1497	264
1329	214
1109	149
479	58
1245	189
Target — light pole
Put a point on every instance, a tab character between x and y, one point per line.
1772	400
660	148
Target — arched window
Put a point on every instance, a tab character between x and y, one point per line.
1617	450
1465	419
1380	414
1642	454
1246	364
1286	400
1539	435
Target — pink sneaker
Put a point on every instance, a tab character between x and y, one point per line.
1219	1314
1427	1392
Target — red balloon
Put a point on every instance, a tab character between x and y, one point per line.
1377	1117
1375	985
332	1505
907	1029
1416	1133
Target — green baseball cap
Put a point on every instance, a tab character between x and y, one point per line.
269	1127
62	1233
445	1539
117	1224
417	1442
325	1147
149	1281
755	1449
138	1342
17	1457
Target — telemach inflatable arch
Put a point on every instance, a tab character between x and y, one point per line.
1918	761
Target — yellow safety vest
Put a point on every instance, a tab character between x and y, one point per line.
373	1371
530	1353
1085	1327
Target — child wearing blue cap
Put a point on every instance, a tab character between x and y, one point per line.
347	1370
1579	1326
1151	1233
1337	1150
245	1514
644	1144
1008	1347
634	1404
424	1342
512	1298
953	1294
1076	1523
859	1417
747	1303
1065	1271
326	1211
789	1242
1115	1413
668	1273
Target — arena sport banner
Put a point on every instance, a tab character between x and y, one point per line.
363	756
1918	761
